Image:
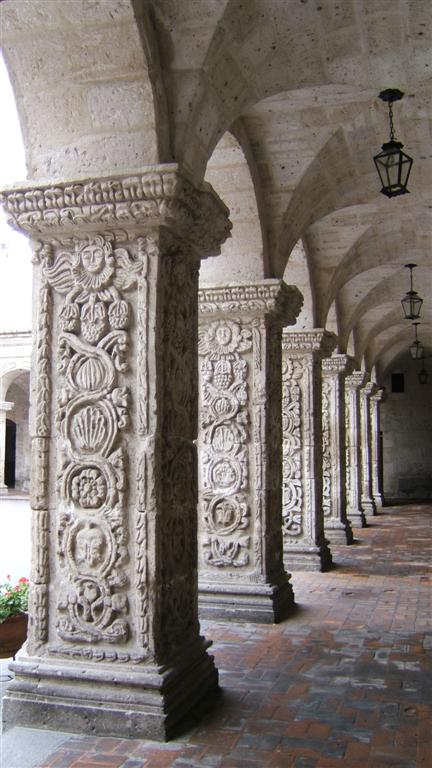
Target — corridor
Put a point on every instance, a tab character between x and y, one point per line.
346	681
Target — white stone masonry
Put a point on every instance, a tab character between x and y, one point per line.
337	527
305	545
241	572
114	644
355	513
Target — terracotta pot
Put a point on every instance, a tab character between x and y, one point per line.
13	633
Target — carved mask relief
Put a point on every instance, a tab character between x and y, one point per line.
93	412
224	435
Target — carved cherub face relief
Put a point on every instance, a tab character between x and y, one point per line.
223	335
93	263
89	547
93	259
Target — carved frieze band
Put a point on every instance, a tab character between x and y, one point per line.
150	197
272	296
92	412
327	448
224	436
316	340
292	459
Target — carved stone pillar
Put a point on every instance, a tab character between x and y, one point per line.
114	645
4	408
367	501
241	572
376	459
305	546
352	446
337	527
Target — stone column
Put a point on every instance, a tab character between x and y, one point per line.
241	572
114	645
5	406
367	501
352	446
337	527
305	546
374	404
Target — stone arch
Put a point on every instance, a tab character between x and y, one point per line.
87	102
243	256
240	54
297	273
14	412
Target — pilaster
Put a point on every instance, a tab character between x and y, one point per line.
367	501
305	546
337	527
353	383
114	645
5	406
241	572
375	400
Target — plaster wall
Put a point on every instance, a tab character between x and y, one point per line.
406	424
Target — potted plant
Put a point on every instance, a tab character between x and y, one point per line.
13	616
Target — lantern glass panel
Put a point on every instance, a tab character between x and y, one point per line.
394	167
416	350
411	305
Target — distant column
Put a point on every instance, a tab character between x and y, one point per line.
5	406
355	513
240	550
375	404
305	546
337	527
367	501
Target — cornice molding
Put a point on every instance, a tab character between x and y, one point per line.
152	197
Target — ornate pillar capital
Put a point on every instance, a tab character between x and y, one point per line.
269	297
318	340
156	196
337	365
355	380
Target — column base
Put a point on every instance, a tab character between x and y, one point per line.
379	500
258	603
357	518
308	558
338	533
369	507
140	702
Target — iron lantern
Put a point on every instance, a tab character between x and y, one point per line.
423	375
393	165
411	302
416	348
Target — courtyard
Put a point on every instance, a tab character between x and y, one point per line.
346	681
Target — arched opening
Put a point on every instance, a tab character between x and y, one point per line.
10	453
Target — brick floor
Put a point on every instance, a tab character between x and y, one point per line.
347	681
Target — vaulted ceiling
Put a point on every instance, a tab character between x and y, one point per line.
276	103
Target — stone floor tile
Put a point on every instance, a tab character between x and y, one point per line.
346	681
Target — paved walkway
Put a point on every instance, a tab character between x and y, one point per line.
346	682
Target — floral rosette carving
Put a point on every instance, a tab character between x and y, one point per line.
292	489
93	411
224	416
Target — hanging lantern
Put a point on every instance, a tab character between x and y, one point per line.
423	376
411	302
416	349
393	165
